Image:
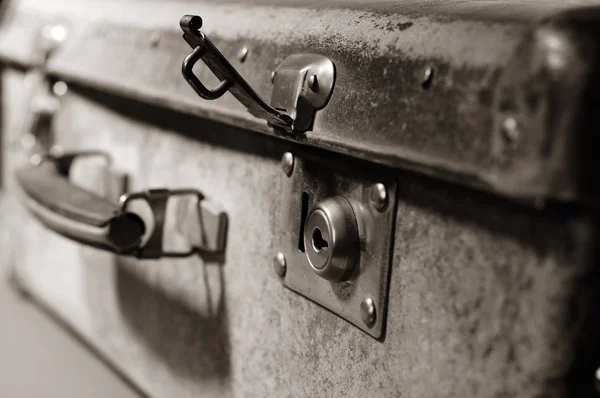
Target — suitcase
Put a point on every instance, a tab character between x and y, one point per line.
280	198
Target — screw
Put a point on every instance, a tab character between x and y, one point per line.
287	163
598	380
279	264
427	78
60	88
510	128
379	196
154	39
313	82
243	54
368	313
273	77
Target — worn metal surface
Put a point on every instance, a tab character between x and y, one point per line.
486	299
381	111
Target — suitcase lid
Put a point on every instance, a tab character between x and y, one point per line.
497	95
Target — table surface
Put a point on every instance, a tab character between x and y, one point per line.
39	358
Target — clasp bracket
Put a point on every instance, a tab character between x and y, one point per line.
303	84
212	220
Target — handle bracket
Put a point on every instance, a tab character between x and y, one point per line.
158	199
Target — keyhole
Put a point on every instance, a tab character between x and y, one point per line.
319	243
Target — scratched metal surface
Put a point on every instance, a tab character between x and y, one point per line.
379	111
487	299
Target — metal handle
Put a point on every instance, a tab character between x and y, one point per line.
95	221
74	212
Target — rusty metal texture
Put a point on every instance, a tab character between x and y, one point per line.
419	86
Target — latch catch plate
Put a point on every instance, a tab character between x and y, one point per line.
303	84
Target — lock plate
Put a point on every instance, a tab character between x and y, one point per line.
310	182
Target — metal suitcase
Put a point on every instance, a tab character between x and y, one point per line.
352	199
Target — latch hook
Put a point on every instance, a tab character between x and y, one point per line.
231	80
302	84
201	90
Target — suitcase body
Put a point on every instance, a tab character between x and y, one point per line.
488	283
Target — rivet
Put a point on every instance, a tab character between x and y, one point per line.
273	77
35	159
154	39
287	163
313	82
510	128
379	196
243	54
60	88
368	313
279	264
28	141
427	77
55	33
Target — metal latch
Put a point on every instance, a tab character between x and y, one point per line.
303	83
